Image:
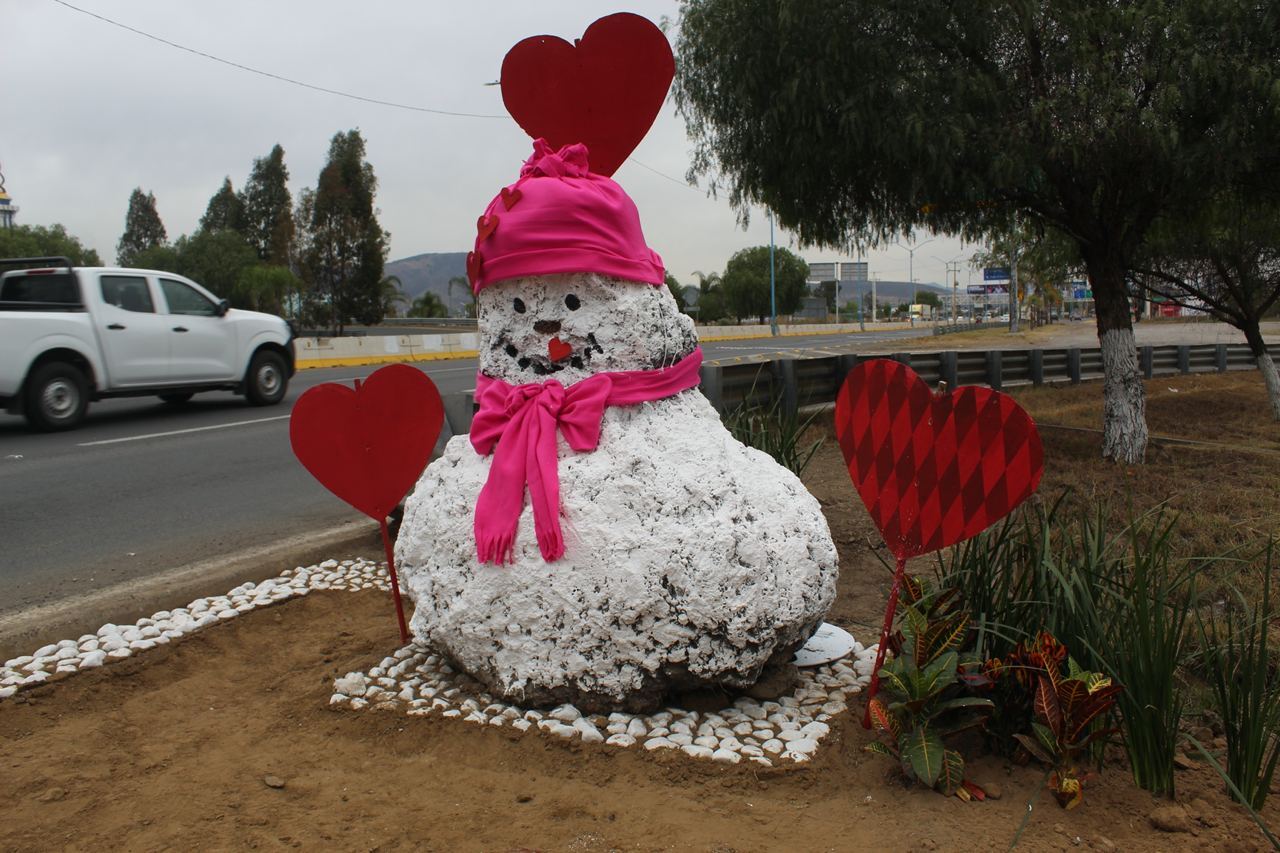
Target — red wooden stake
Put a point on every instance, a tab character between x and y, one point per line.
395	581
884	638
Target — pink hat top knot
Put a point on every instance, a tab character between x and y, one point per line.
560	217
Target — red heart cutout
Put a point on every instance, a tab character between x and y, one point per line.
368	445
485	226
558	350
604	91
473	268
933	470
510	197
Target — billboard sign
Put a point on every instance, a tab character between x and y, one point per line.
853	273
822	272
995	274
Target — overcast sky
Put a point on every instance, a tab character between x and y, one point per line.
88	111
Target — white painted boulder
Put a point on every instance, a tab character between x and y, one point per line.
690	560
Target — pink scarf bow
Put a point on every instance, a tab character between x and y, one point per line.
522	421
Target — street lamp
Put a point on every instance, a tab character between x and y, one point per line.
773	286
911	258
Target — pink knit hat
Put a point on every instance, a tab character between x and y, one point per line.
559	217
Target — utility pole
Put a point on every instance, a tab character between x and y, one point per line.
773	285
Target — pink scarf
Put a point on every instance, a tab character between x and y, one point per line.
525	418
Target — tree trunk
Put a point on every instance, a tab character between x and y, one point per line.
1266	366
1124	399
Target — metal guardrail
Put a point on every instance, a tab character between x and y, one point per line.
807	382
816	381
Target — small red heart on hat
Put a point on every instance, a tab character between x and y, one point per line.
486	225
510	197
473	268
558	350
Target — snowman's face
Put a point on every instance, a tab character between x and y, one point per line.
571	326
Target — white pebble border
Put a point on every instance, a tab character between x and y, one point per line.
114	642
419	683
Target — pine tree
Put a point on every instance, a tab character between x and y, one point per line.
225	211
268	214
346	247
142	228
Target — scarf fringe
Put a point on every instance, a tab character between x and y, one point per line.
497	550
551	543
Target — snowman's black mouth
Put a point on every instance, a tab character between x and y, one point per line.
543	366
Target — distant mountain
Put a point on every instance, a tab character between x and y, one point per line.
431	271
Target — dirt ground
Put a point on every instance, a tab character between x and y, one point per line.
172	749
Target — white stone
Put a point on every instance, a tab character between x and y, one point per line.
658	743
621	739
561	730
789	735
19	662
122	652
93	659
816	730
725	756
697	751
804	746
707	740
352	684
773	745
668	565
521	725
680	738
751	751
46	651
589	733
6	692
565	714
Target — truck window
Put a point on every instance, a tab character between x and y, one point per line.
60	288
129	292
183	299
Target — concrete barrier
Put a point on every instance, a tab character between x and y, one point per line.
387	349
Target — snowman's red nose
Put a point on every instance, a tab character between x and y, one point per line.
547	327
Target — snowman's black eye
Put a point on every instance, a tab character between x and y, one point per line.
571	301
518	305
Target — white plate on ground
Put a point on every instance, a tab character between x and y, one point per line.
827	644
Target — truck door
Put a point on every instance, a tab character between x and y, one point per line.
135	338
202	345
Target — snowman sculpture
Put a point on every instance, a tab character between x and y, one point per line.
600	538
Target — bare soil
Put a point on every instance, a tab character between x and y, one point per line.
172	749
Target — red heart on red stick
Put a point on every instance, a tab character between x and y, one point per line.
605	90
933	470
485	226
510	197
368	445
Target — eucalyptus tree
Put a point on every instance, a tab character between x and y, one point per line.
858	121
142	228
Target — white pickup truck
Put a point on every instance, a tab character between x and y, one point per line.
69	335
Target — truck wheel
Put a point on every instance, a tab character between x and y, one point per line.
266	381
57	396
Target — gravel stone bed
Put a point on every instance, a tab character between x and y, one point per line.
416	681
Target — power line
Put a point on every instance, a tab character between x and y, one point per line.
261	73
323	89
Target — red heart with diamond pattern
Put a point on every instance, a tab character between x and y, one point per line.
604	90
369	445
933	469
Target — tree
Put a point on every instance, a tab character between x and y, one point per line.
392	297
462	283
35	241
217	260
265	287
268	214
711	305
855	121
673	285
225	210
746	282
1227	263
427	305
928	297
142	228
1046	260
346	248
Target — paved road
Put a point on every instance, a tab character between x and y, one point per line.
143	487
